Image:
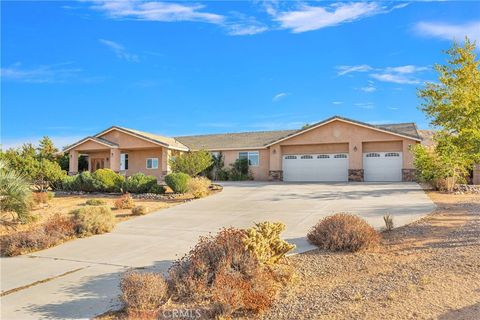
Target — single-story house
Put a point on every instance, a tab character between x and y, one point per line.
335	149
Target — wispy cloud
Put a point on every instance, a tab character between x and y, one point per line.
369	88
343	70
364	105
406	74
337	102
58	141
157	11
238	29
449	31
279	96
308	18
119	50
56	73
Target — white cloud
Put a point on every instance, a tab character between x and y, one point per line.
337	102
343	70
58	141
450	31
244	30
279	96
120	51
395	78
157	11
308	18
369	88
408	69
393	108
364	105
57	73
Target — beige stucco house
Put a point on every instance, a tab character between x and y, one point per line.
336	149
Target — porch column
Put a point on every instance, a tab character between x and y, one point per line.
115	159
355	161
165	166
73	162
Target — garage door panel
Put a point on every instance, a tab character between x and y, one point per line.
315	167
382	166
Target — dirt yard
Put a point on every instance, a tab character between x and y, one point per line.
64	204
427	270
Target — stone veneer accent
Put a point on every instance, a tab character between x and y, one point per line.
275	175
409	175
355	175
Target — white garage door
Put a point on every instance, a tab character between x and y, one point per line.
315	167
382	166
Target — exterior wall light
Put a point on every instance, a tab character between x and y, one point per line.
355	149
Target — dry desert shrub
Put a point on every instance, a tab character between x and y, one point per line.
124	202
95	202
140	210
388	219
198	186
55	230
42	197
343	232
143	293
93	220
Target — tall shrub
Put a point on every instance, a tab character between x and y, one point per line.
109	180
140	183
191	163
178	182
14	193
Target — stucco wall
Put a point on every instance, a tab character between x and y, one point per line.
382	146
316	148
342	132
259	172
127	141
137	162
90	145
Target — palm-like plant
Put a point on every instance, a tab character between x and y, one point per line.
14	194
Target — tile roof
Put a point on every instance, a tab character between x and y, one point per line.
171	142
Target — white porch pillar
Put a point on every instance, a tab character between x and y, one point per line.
73	162
115	159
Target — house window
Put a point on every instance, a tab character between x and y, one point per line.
290	157
392	154
340	156
307	156
124	161
373	155
215	154
252	157
152	163
323	156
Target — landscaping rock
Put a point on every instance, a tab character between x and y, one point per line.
466	188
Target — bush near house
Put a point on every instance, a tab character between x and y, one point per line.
109	180
198	186
157	189
95	202
178	182
93	220
140	183
343	232
191	163
14	194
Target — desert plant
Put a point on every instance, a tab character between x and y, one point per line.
140	210
108	180
93	220
264	241
191	163
157	189
55	230
193	276
198	186
343	232
388	219
95	202
143	292
140	183
124	202
40	197
14	193
178	182
239	170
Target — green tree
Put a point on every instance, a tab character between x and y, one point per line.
46	149
191	163
453	106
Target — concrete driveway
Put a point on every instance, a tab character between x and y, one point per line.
79	279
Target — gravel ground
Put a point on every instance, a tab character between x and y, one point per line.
427	270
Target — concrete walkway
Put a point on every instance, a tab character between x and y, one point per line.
79	279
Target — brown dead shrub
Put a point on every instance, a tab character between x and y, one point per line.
41	197
93	220
124	202
343	232
55	230
143	293
140	210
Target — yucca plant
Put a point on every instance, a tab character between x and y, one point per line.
15	194
388	219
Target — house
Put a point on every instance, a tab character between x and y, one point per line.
335	149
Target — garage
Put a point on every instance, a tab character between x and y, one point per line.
382	166
315	167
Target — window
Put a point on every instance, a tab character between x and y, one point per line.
306	156
290	157
124	161
152	163
340	156
252	157
373	155
215	154
392	154
323	156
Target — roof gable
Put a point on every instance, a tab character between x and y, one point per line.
102	143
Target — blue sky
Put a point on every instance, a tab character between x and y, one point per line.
71	69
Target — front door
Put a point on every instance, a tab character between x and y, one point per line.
98	163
